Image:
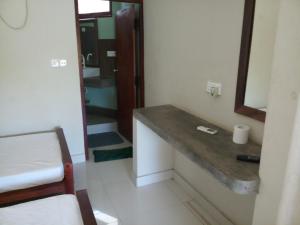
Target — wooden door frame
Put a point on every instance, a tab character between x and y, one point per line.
141	78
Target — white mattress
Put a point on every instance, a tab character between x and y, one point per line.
30	160
58	210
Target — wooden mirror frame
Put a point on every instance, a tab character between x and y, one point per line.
240	108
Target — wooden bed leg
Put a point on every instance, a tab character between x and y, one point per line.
86	208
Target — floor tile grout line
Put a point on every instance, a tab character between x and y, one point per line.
102	183
177	196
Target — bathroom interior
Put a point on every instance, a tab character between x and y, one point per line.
109	95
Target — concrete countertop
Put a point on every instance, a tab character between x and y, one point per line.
214	153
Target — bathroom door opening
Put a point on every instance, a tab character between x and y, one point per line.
111	67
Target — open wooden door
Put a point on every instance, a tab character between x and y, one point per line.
126	69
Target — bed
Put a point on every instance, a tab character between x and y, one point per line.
34	165
56	210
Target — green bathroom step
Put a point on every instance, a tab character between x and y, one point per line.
115	154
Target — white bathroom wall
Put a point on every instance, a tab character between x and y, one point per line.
34	96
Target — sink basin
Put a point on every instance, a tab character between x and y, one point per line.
89	72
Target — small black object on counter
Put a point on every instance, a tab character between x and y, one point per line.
249	158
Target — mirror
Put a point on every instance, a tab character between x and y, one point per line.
89	42
256	55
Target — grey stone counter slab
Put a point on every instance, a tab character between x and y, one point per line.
215	153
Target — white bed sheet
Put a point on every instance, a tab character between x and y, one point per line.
58	210
30	160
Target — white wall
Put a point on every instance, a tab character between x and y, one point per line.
290	200
285	89
261	58
188	43
235	207
33	96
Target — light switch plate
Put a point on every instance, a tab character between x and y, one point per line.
54	63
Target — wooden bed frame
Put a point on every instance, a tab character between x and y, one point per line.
87	214
66	186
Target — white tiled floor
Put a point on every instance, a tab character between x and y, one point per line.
112	192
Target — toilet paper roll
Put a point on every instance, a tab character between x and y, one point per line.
241	134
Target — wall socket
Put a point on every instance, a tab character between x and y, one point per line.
111	53
63	62
214	89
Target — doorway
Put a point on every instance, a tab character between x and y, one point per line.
111	56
